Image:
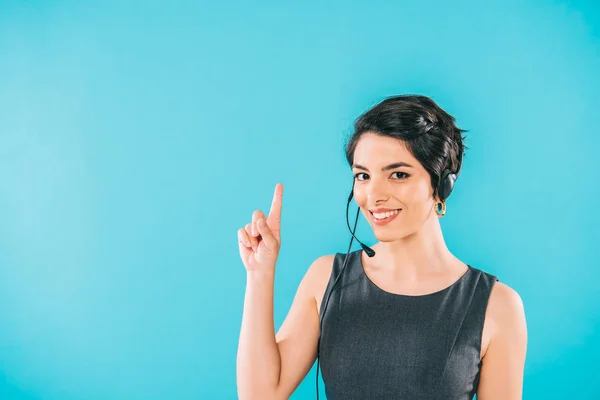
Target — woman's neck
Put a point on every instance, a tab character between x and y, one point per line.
418	256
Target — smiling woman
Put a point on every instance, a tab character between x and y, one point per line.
430	323
408	321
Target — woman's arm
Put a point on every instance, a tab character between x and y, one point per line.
504	361
258	356
271	366
298	336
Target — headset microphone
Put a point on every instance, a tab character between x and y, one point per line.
370	252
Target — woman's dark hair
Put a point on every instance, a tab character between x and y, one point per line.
429	132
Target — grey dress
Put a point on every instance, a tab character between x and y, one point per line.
380	345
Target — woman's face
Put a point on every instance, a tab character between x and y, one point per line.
388	176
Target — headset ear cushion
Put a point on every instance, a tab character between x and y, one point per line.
446	184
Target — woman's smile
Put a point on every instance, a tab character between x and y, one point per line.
380	219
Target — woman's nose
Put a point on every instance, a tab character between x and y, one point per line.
377	195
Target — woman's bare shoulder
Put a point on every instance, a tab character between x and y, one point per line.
506	309
318	275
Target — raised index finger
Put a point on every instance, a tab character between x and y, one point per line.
275	212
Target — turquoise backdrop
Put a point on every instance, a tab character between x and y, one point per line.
137	137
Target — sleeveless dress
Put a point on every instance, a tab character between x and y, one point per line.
381	345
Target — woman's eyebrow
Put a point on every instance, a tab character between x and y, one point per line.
386	168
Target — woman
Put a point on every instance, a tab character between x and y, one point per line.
412	321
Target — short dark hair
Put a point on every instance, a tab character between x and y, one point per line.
429	132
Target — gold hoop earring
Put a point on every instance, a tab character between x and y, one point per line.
437	208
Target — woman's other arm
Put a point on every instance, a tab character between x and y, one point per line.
504	362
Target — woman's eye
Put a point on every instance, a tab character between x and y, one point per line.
399	175
405	175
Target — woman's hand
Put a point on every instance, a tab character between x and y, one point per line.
260	240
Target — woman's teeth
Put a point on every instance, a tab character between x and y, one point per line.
385	215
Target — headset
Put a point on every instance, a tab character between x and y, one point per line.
445	187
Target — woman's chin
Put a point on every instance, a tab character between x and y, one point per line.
390	236
387	237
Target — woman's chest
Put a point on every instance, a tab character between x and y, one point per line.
377	355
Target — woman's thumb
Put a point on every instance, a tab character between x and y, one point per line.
268	238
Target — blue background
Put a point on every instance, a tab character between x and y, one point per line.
137	137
